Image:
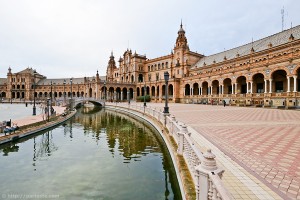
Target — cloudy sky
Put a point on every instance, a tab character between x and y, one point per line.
74	38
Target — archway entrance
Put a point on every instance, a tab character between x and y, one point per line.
279	83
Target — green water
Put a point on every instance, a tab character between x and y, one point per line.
96	155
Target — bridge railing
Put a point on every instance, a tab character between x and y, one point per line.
202	166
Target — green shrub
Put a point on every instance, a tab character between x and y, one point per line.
141	98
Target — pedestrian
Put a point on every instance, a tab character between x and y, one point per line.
224	102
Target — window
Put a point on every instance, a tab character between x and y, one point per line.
260	88
279	86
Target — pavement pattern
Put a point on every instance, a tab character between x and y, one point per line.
264	142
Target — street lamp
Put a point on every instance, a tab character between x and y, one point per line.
104	92
71	80
34	108
64	91
71	106
166	108
128	96
145	95
48	108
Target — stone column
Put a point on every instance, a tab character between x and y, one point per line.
295	83
222	89
191	91
201	91
121	95
288	84
232	87
133	93
270	80
115	96
251	87
266	89
181	133
235	88
211	90
248	88
208	167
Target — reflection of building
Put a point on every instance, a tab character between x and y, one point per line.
264	72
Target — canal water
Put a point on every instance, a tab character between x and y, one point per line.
98	154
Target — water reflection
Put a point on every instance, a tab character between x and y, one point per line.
101	154
131	137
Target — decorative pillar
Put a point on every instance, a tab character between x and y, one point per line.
288	84
133	94
191	91
222	89
266	89
251	87
270	80
232	87
235	88
295	83
248	89
201	92
181	134
121	95
199	89
207	168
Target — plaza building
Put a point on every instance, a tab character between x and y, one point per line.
261	73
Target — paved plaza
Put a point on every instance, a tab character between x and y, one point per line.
264	143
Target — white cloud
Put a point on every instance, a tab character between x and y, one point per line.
73	38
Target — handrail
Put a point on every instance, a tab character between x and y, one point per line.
202	167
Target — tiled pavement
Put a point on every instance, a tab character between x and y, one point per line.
264	142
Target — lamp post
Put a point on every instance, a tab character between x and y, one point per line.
128	96
145	95
104	92
51	90
64	91
166	108
34	108
71	80
48	108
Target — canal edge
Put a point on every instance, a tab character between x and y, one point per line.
42	127
159	128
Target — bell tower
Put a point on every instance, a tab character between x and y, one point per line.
181	51
110	68
181	41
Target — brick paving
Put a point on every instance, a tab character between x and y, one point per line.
36	118
266	142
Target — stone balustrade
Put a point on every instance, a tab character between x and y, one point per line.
202	166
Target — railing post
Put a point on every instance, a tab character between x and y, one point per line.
181	133
173	120
208	166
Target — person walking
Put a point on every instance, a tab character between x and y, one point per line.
224	102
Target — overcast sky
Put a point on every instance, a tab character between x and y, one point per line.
74	38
